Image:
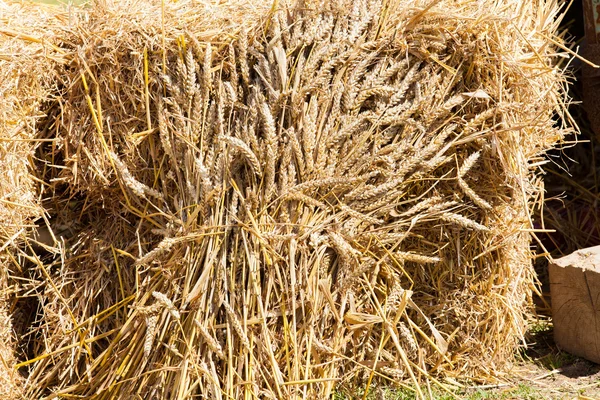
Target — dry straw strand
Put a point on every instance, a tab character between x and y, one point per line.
245	150
237	326
301	162
211	342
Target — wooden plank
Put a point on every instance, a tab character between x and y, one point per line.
575	296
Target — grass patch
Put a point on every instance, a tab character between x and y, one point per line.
555	360
541	349
521	392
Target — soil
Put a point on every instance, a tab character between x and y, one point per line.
544	372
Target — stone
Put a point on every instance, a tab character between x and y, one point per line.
575	297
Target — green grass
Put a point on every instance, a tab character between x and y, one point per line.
521	392
556	360
542	350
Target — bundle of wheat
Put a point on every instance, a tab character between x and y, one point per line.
275	200
24	85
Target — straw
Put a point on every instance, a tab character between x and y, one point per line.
277	199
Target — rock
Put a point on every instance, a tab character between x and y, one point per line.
575	295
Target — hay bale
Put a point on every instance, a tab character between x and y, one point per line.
24	85
11	383
275	201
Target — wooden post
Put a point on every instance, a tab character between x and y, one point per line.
575	296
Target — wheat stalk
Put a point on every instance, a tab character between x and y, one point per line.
237	326
245	150
210	341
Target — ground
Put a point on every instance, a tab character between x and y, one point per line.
549	373
540	372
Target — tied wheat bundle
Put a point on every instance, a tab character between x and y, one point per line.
24	84
276	200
